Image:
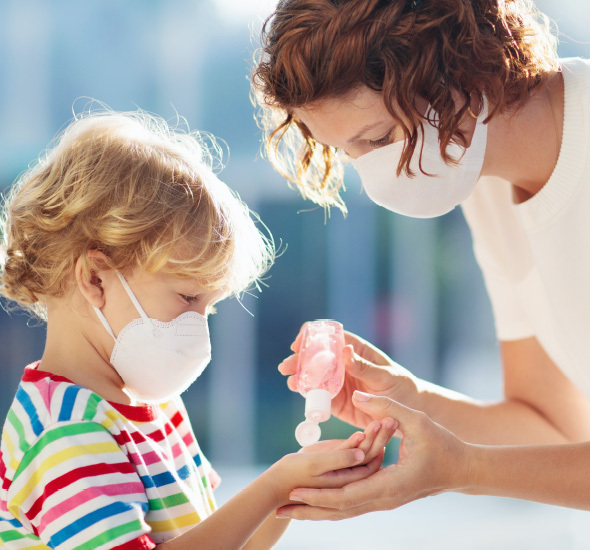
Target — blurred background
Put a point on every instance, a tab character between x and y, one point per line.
409	286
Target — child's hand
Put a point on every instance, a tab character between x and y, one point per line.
331	464
372	442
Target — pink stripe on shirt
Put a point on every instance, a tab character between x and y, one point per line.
86	495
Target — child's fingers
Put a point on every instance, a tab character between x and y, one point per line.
371	432
381	438
353	441
329	462
327	445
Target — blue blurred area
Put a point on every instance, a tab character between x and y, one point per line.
410	286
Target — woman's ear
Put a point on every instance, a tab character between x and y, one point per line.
90	271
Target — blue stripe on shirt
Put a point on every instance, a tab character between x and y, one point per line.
67	406
92	518
23	398
165	478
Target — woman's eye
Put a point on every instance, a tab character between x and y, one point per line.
189	299
385	140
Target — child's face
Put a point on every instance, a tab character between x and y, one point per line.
162	296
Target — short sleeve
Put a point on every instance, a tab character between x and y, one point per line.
502	251
510	319
76	488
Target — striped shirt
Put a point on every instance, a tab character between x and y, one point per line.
80	472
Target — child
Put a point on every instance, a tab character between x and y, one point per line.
123	239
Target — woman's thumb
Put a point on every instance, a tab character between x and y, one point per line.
379	407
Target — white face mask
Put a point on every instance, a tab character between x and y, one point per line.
424	196
157	360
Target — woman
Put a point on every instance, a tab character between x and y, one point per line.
440	103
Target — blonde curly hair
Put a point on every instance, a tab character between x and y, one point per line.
141	192
317	49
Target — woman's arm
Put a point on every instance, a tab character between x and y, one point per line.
433	460
541	405
553	474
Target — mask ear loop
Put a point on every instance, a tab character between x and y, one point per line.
133	298
104	322
127	288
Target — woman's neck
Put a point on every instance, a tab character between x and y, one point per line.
523	146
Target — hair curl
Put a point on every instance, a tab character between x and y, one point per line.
316	49
139	191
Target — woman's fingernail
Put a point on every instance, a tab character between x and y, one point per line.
295	498
282	516
361	396
358	455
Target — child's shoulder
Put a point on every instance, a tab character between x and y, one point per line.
45	402
43	399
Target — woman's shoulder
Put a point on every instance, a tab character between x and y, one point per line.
576	73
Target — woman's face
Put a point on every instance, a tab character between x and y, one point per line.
355	123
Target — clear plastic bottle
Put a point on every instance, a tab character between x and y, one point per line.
319	376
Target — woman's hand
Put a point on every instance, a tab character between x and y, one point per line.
431	460
332	463
368	369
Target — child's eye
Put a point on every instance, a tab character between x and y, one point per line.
189	299
385	140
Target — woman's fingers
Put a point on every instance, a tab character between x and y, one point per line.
297	343
314	513
366	350
288	365
369	373
345	476
368	490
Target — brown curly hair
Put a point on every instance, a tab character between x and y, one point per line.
138	190
317	49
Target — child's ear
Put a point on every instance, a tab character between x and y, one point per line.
90	271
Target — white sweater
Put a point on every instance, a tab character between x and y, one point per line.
535	256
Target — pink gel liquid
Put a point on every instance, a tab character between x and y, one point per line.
320	363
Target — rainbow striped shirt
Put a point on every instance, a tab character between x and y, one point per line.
79	472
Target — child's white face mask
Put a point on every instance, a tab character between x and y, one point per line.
157	360
424	196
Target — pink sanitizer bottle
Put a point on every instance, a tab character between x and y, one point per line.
319	376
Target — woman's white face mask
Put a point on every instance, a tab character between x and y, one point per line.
424	196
